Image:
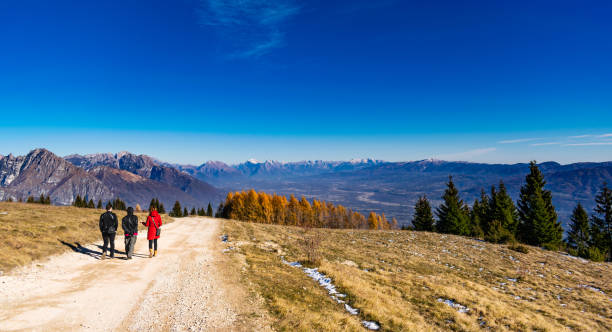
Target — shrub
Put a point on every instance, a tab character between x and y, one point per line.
520	248
596	255
310	243
552	246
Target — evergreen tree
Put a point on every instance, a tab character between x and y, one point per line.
77	201
48	200
193	211
502	208
157	203
152	204
99	206
41	200
91	204
538	219
209	211
161	209
10	199
423	217
176	210
578	236
30	199
483	211
601	223
451	214
475	228
185	212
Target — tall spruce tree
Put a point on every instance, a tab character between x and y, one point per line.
475	223
161	208
91	204
538	223
209	210
483	211
193	211
423	219
451	213
152	204
176	210
77	201
99	206
185	212
502	208
601	223
578	236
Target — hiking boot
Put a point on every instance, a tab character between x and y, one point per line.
103	256
150	253
155	253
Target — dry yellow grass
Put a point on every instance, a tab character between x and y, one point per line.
33	231
397	277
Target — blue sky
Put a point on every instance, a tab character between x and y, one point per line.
194	80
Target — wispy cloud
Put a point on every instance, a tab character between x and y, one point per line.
581	136
546	143
589	144
606	135
251	28
467	155
520	140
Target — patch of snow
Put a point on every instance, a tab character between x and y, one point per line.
326	282
371	325
592	288
511	279
460	308
351	310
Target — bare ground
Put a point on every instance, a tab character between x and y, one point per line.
184	288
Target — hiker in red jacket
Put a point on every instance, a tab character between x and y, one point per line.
154	223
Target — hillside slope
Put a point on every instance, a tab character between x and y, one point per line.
418	281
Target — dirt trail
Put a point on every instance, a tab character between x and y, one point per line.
179	290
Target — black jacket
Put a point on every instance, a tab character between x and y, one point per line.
108	222
129	223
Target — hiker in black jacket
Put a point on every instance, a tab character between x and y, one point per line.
129	224
108	228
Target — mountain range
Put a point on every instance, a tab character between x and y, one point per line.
361	184
134	178
393	187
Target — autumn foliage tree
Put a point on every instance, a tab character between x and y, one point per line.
262	207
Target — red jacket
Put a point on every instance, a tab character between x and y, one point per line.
153	223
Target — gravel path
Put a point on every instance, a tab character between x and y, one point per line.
180	290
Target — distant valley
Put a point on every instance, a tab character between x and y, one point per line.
363	185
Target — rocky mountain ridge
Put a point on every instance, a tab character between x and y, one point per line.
99	177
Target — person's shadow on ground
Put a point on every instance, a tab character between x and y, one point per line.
77	247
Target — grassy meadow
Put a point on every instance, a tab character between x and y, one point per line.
34	231
401	279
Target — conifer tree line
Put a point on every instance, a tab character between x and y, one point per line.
261	207
45	200
84	202
157	205
533	220
179	211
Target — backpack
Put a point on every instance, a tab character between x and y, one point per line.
107	222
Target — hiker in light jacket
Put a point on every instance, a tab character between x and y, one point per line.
129	224
108	228
154	222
